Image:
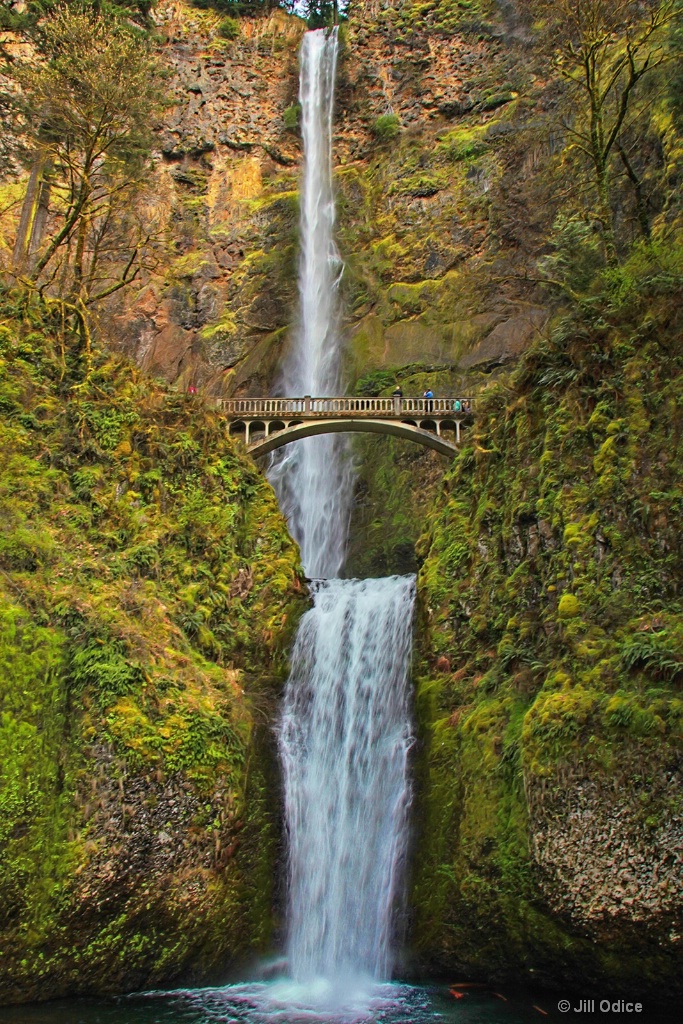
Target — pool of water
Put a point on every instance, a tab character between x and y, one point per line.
283	1002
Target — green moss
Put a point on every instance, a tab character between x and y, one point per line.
292	116
463	143
148	596
569	606
228	28
386	127
189	265
494	100
419	185
550	586
440	16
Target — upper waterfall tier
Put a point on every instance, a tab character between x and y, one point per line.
313	477
313	362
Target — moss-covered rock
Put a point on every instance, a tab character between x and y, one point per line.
551	797
148	596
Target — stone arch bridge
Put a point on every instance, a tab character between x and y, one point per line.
269	423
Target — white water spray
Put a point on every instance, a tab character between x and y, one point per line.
313	477
345	730
344	744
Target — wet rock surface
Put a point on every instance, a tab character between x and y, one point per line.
609	855
223	206
412	211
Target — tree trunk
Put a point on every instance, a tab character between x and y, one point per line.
65	232
79	258
28	211
40	219
605	213
641	202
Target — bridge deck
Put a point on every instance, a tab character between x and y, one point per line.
342	407
270	423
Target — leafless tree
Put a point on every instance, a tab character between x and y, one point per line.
604	49
88	104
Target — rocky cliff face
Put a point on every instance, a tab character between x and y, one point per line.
436	221
148	598
224	193
552	808
549	816
414	209
605	862
548	690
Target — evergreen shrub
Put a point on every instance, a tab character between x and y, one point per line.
386	127
229	28
291	117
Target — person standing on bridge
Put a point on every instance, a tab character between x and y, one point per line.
397	392
428	396
397	395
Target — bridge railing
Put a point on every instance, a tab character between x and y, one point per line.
262	406
308	407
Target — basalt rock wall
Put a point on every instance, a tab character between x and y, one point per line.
549	686
414	208
148	598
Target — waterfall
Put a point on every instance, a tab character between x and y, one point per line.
345	731
344	744
313	477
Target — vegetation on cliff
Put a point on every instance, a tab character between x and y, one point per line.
149	593
148	587
485	216
551	800
85	106
549	808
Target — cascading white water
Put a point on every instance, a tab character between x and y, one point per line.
344	744
345	730
314	362
313	477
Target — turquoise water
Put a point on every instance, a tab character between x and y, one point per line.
281	1002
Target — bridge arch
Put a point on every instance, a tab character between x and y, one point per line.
410	431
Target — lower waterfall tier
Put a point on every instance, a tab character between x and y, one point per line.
344	742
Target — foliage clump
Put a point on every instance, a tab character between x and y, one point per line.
229	28
606	51
292	116
551	589
148	595
87	107
386	127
